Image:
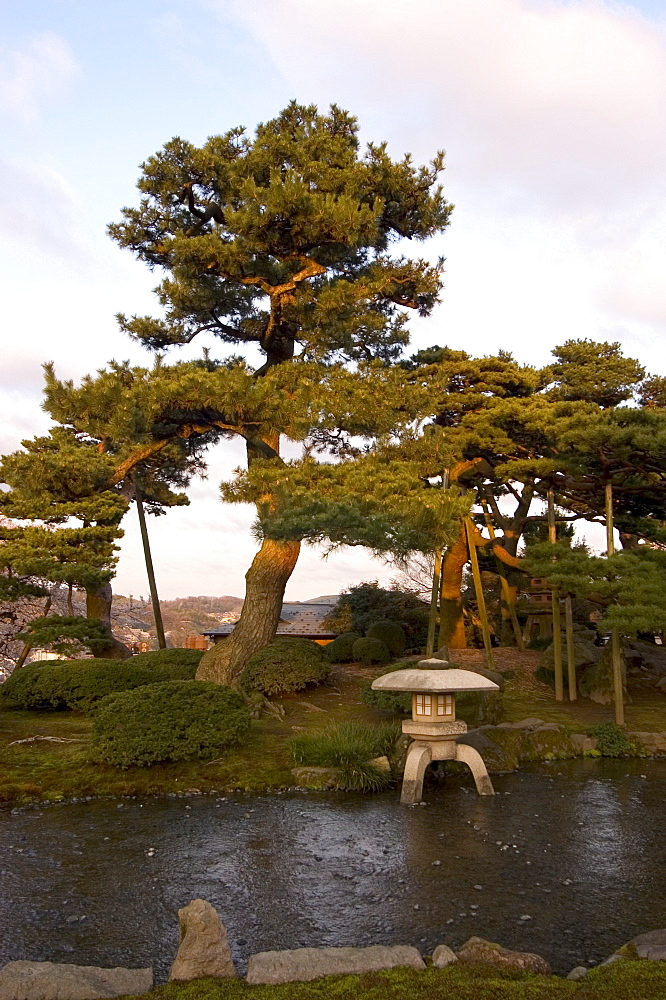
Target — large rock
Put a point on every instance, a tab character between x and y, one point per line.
51	981
596	682
498	754
204	947
651	945
443	956
586	653
476	949
317	778
654	742
304	964
547	742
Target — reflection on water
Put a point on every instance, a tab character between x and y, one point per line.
566	861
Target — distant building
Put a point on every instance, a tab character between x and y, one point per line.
298	620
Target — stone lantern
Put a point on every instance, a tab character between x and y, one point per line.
433	725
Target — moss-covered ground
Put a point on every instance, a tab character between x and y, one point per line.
57	768
620	981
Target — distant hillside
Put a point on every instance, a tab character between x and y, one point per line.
182	617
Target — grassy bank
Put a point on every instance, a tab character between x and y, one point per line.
620	981
57	768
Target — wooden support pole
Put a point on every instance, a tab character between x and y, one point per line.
439	640
157	611
504	585
616	656
478	587
434	602
571	653
555	599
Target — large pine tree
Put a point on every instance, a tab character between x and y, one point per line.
289	244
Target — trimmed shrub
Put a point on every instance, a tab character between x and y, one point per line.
168	721
396	702
341	650
612	741
285	665
350	746
56	685
180	664
371	651
391	634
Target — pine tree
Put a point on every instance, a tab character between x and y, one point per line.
282	243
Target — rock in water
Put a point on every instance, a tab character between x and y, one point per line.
651	945
304	964
478	950
204	947
52	981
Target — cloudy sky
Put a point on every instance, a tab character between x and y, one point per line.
552	113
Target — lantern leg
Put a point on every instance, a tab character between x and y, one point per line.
418	758
468	755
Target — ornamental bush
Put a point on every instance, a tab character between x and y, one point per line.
180	664
612	741
168	721
285	665
56	685
341	650
351	746
371	651
395	702
391	634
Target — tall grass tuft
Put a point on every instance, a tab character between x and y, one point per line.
350	746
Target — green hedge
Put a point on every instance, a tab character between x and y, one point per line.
371	651
168	721
56	685
341	650
285	665
391	634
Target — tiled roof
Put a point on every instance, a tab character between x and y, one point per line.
296	619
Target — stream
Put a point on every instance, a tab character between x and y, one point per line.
567	860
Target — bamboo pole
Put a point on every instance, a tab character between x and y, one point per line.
571	653
504	584
555	599
434	599
616	658
481	601
440	615
157	611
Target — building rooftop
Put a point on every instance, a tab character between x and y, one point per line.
297	618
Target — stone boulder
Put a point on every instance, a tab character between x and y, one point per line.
651	946
443	956
547	742
584	743
301	965
204	948
52	981
586	653
319	779
654	742
596	682
495	757
476	949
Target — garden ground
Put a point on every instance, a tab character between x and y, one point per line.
57	768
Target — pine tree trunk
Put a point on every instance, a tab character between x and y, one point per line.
266	580
452	627
98	606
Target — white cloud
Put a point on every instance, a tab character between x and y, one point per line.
33	73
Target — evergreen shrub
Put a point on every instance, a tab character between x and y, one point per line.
350	746
612	741
285	665
341	650
57	685
391	634
168	721
181	663
371	651
396	702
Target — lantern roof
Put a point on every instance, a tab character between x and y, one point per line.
424	677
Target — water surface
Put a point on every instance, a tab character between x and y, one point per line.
568	861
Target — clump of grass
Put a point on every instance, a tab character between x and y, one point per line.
612	741
350	746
